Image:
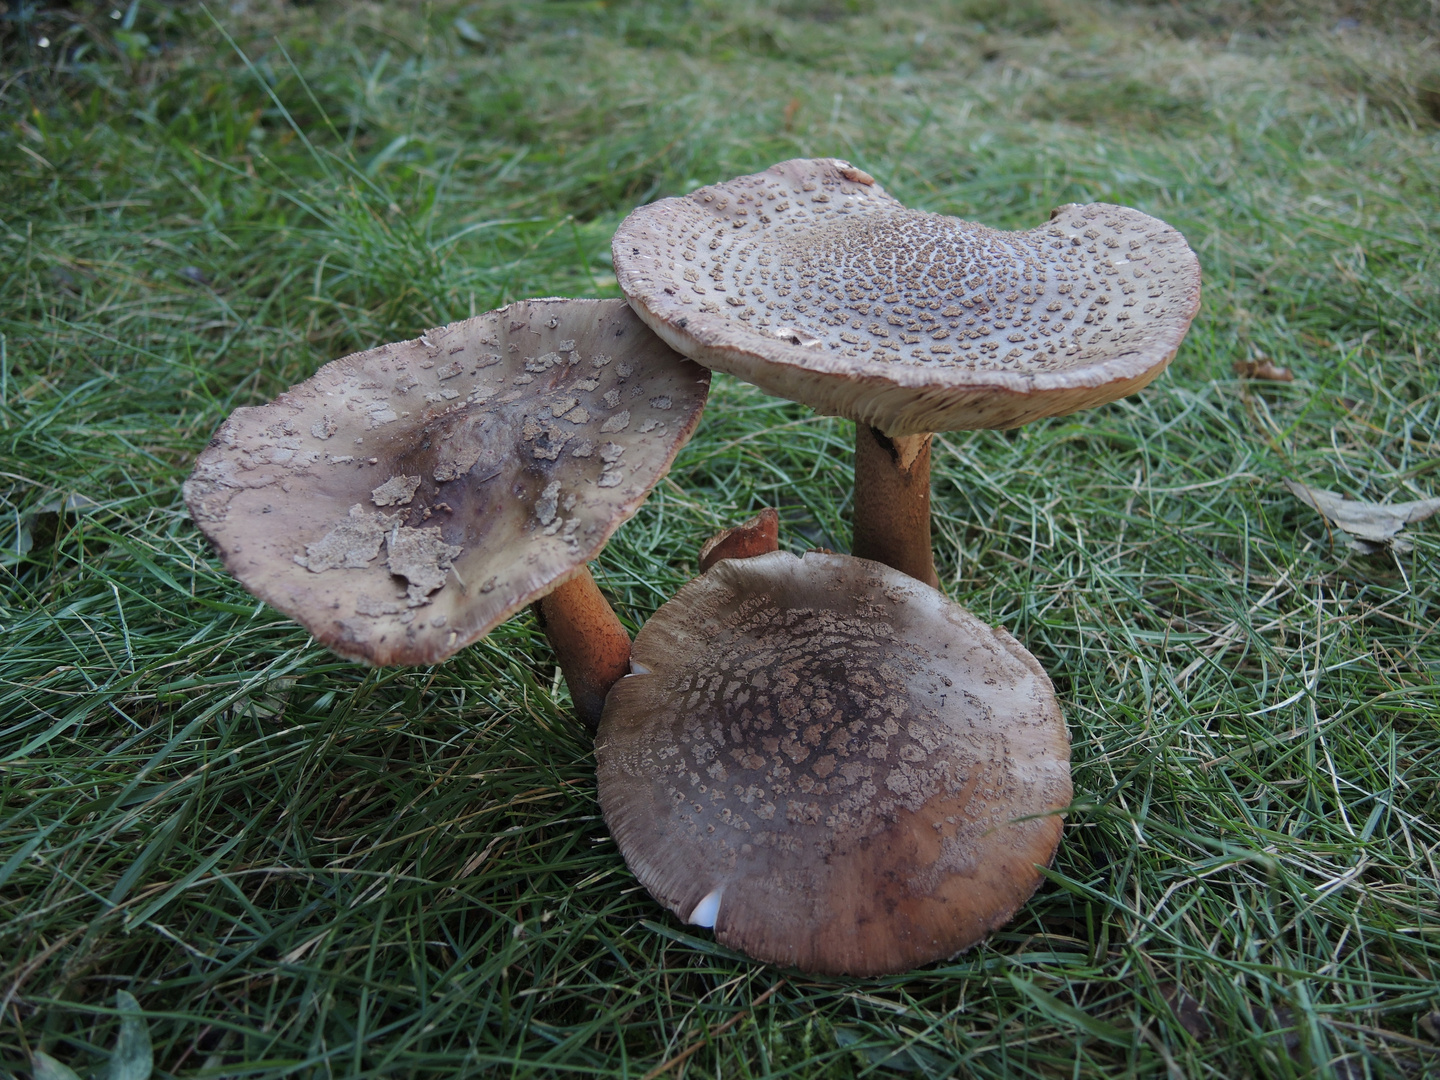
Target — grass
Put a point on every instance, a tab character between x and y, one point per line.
303	868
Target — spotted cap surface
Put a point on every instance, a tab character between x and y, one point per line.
404	501
811	282
832	764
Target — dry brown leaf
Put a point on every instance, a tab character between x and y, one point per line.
1188	1011
1368	526
1262	367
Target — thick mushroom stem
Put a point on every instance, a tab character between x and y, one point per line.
892	502
591	646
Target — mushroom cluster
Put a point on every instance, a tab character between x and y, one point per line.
822	758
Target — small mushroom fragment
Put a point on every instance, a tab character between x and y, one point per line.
811	282
832	765
405	500
755	536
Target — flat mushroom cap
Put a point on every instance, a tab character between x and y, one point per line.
404	501
832	764
811	282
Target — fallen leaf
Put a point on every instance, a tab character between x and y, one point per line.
132	1058
905	1059
39	528
1188	1011
466	31
1262	367
1069	1015
1282	1027
45	1067
1368	526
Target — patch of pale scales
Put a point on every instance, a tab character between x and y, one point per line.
820	729
495	458
921	289
804	276
866	771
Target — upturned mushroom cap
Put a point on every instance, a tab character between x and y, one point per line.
406	500
756	536
832	764
811	282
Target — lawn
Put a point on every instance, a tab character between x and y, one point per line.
301	867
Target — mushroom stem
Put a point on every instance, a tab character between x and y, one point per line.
892	502
590	645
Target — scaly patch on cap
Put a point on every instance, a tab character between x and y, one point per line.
811	282
405	500
833	765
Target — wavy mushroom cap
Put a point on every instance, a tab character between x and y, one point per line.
404	501
833	765
811	282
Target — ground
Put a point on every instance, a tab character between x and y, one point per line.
302	867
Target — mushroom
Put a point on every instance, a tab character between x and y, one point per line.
811	282
832	765
489	460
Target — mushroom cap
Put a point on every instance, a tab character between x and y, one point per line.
811	282
490	460
833	764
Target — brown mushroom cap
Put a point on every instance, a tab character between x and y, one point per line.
406	500
832	764
811	282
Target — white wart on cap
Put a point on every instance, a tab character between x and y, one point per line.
833	765
404	501
811	282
